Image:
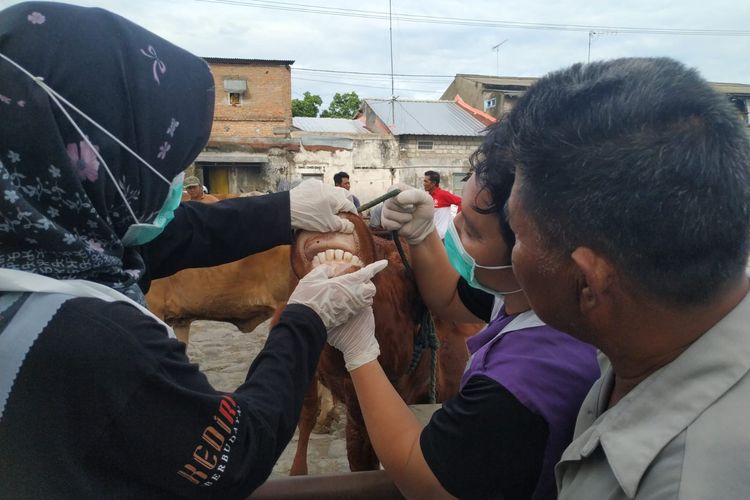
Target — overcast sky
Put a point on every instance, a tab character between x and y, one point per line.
458	38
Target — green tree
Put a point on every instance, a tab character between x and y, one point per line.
343	106
307	106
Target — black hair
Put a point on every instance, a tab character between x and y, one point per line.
338	178
642	161
434	176
492	163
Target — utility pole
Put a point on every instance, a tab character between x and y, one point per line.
393	90
592	34
496	48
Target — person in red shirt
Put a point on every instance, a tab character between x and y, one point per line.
443	201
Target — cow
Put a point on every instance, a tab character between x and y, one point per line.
245	293
406	356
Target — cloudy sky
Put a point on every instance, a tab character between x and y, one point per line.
333	41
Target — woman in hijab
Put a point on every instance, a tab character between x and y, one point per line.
98	119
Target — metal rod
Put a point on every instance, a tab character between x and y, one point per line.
344	486
379	199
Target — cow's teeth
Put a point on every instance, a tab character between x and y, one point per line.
336	256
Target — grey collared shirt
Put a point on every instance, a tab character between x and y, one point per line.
680	434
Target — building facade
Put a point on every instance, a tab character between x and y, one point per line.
249	147
428	135
496	95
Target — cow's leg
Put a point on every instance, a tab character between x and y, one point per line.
182	331
359	449
306	423
327	412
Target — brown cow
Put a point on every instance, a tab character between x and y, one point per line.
245	292
398	313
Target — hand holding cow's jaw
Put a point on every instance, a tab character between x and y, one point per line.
336	299
314	206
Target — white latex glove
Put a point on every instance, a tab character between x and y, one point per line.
337	299
356	339
314	206
410	213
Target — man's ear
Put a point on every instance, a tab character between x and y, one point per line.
595	274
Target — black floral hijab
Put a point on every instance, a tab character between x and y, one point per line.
61	214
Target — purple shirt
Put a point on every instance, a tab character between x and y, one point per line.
549	372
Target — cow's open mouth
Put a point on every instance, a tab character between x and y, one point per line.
346	252
333	249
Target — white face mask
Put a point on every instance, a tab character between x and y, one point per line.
138	233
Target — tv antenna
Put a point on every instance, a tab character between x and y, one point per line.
496	48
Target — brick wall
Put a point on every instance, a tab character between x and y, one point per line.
266	106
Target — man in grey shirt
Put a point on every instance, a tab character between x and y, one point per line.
632	196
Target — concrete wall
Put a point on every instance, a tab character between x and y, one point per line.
473	93
369	164
449	157
376	163
260	177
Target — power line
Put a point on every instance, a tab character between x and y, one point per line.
369	14
295	68
374	78
352	84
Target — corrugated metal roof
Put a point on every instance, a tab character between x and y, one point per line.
425	117
335	125
230	60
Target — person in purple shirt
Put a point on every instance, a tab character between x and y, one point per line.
501	436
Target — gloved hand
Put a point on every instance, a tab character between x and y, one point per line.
356	339
314	205
410	213
337	299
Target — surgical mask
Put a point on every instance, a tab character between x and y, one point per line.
139	233
465	264
142	233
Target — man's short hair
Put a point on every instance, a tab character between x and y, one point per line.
339	178
642	161
434	176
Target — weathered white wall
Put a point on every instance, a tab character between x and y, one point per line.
373	163
369	164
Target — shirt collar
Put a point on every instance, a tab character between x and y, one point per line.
665	402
